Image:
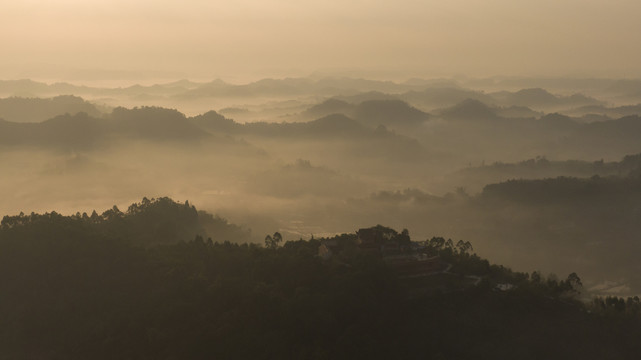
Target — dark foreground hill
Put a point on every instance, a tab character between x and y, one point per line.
79	287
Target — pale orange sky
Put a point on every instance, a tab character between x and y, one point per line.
242	40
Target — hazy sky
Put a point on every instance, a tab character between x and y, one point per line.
144	40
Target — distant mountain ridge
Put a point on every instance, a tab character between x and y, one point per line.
541	98
389	112
17	109
469	109
82	131
468	122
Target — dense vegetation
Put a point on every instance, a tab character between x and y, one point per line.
475	178
150	222
560	224
124	285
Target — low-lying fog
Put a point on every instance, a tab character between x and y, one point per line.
334	159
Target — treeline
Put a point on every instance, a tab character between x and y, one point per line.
74	290
148	223
564	189
540	167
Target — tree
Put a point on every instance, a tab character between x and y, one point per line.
449	244
437	243
271	241
574	283
536	277
464	247
404	237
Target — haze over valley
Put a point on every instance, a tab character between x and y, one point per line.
320	180
435	157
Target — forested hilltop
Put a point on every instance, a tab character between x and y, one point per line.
162	280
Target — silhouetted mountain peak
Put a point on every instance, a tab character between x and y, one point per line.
518	112
558	122
70	119
155	122
214	121
469	109
328	107
389	112
556	117
543	98
146	114
217	82
336	120
629	119
27	109
366	96
536	93
331	104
